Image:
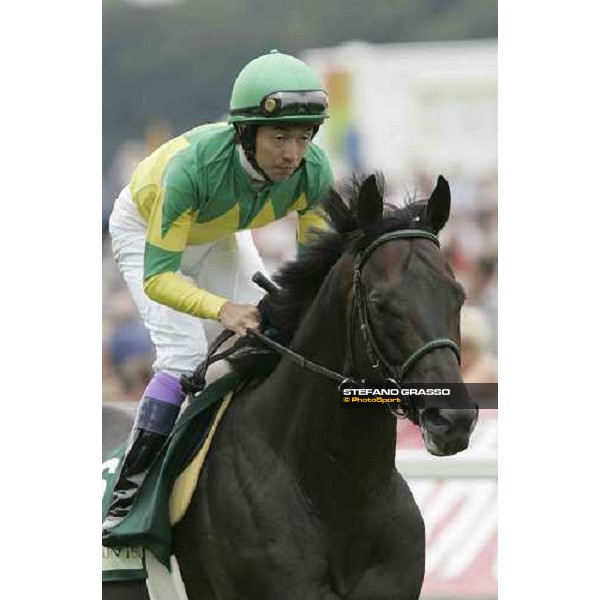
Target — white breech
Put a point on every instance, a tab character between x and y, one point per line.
223	267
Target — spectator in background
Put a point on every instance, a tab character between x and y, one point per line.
477	361
483	293
128	352
156	133
131	353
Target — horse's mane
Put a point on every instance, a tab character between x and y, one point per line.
299	280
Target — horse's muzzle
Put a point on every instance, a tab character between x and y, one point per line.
447	431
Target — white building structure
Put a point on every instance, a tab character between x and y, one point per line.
411	108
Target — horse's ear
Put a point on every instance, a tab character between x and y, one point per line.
370	203
438	207
340	215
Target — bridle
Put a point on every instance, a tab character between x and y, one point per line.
359	309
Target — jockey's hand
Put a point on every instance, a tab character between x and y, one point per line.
239	317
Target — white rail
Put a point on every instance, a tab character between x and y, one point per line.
416	465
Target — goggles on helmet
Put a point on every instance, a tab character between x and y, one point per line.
288	104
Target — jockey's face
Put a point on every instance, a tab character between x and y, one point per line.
279	150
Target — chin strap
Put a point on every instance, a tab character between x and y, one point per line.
247	137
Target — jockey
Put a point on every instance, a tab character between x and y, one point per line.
181	239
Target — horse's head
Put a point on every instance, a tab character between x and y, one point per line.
403	302
406	307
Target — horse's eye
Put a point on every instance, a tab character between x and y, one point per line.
376	301
380	304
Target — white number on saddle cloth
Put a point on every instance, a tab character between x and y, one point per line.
110	466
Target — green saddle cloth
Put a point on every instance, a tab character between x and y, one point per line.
147	525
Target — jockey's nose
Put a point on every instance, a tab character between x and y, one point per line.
291	152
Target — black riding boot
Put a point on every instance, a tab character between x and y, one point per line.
154	422
143	448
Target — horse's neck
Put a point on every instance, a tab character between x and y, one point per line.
347	452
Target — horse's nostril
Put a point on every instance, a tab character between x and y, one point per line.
432	419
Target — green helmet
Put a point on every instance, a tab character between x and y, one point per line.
277	88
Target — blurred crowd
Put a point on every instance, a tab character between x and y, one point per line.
470	240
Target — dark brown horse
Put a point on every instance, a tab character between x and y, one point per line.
300	499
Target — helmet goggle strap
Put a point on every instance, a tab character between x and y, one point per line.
288	104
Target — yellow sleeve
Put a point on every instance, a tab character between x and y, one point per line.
178	293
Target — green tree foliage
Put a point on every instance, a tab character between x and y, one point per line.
178	61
